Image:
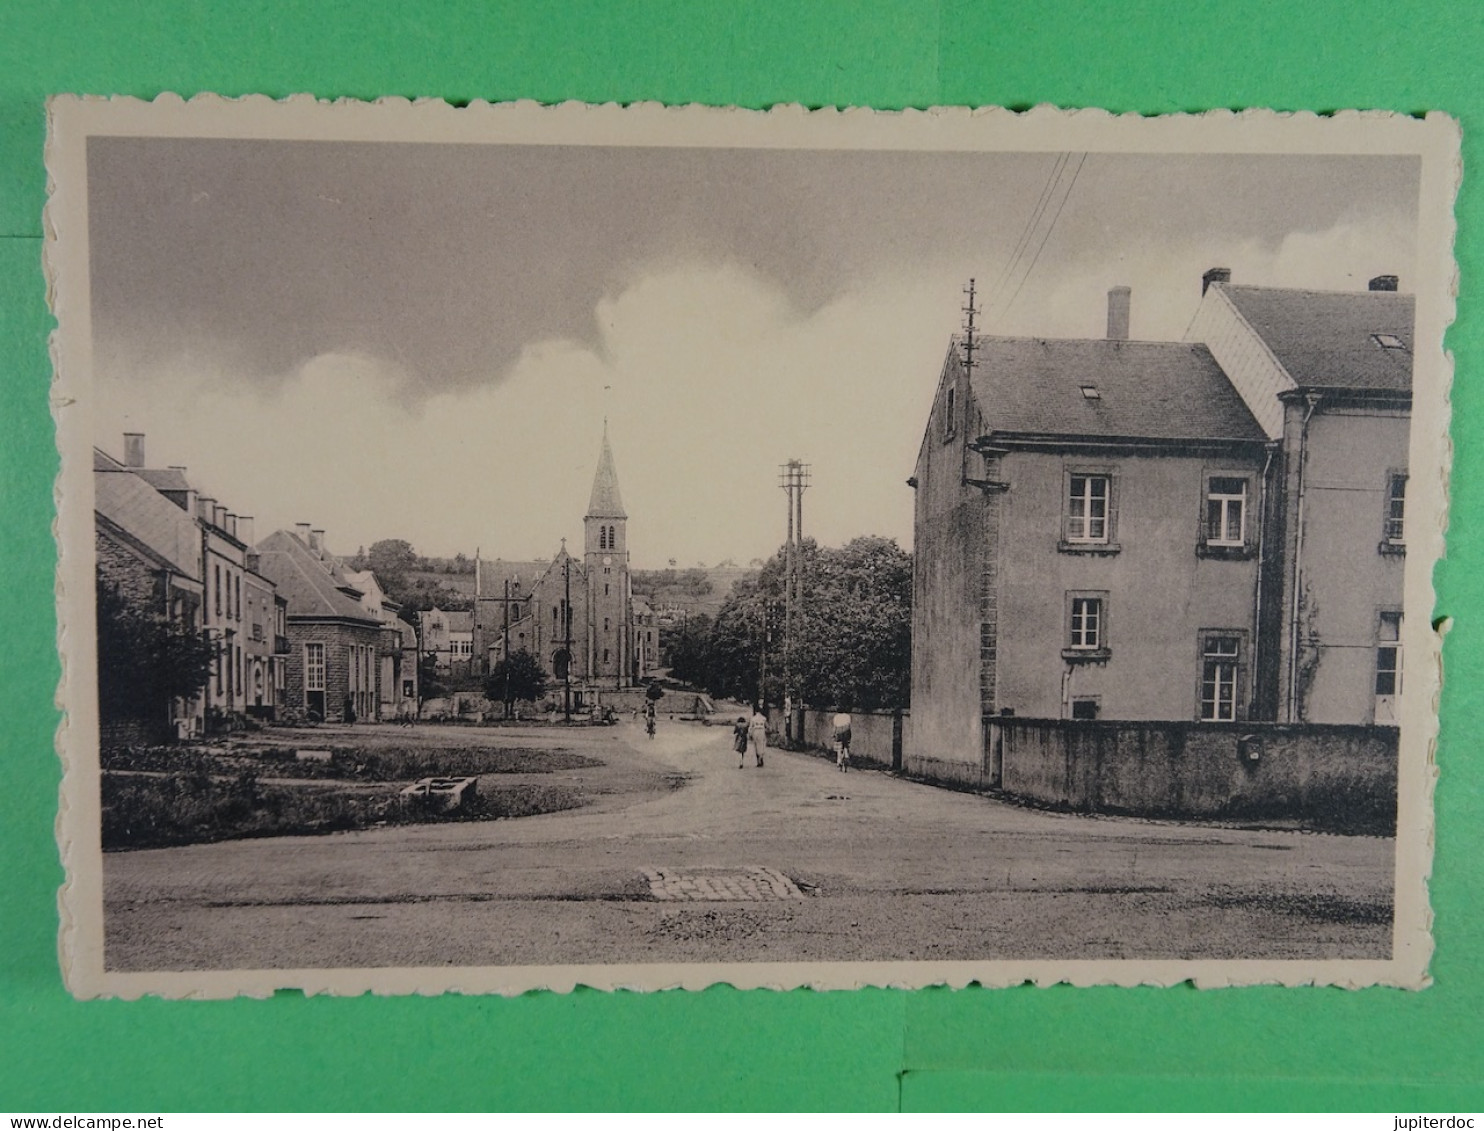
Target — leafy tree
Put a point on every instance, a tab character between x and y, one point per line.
145	661
517	677
430	684
852	640
392	559
684	650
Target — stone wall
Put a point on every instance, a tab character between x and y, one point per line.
1336	778
875	736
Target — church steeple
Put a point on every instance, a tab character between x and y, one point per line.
606	565
605	501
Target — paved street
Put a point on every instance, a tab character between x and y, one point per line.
681	856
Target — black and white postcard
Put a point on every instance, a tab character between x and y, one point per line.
514	547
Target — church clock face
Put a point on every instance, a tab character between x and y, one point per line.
607	561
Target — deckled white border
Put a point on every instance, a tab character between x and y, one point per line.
72	119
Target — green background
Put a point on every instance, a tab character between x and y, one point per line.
1025	1048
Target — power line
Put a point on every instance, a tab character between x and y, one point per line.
1029	229
1050	228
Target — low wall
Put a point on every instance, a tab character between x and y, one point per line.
875	736
1337	778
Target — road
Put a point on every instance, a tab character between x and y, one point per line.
682	857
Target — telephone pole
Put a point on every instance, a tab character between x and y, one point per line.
793	477
971	341
567	644
505	650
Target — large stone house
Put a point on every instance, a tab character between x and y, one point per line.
333	671
204	556
1209	530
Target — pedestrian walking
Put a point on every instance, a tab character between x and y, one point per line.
739	740
757	733
841	725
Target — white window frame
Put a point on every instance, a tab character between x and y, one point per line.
1388	664
1079	637
1085	500
1216	533
1223	703
313	666
1395	529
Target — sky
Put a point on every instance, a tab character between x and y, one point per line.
395	340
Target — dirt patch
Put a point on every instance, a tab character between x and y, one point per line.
152	810
1320	906
386	761
717	924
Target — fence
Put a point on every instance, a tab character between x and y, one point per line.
875	736
1337	778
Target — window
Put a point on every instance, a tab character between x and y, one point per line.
1226	511
1396	508
1085	709
1388	668
607	624
949	404
407	689
238	584
1389	342
1088	498
605	589
1220	658
1086	624
602	537
217	589
605	655
314	667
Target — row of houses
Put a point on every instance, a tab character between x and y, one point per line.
294	634
1210	531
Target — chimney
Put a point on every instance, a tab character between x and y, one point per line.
190	502
1215	275
302	530
1383	283
1118	304
133	449
244	529
317	541
219	516
205	508
231	527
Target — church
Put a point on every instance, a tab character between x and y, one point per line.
577	615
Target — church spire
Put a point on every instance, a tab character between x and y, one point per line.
605	501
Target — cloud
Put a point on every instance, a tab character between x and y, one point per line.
710	376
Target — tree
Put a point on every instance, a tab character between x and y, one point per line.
391	560
684	650
852	640
430	684
517	677
145	661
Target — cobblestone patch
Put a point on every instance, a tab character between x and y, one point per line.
752	885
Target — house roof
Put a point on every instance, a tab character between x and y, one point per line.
310	581
494	574
1328	339
605	501
154	521
164	478
1107	389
